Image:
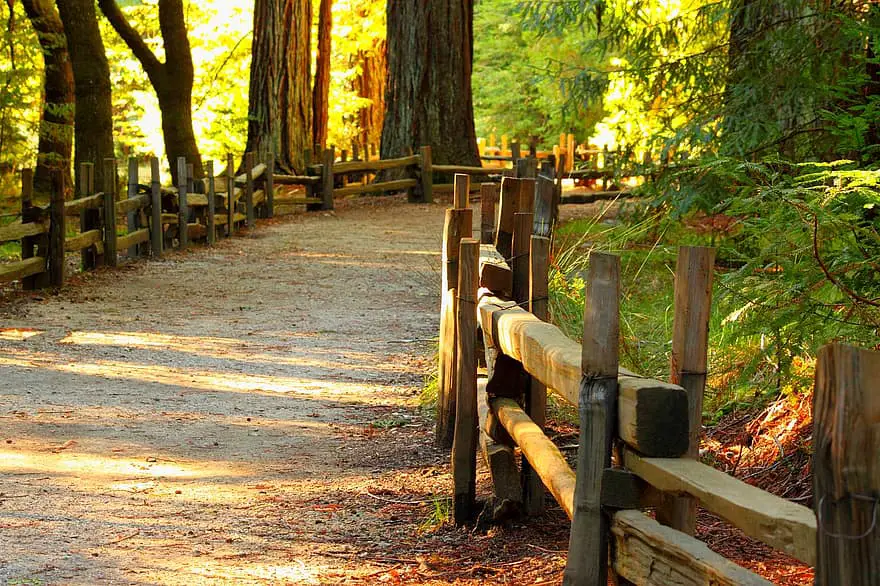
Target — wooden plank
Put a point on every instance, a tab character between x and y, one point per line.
134	238
535	401
464	169
597	406
846	471
652	415
109	218
457	225
488	199
396	185
770	519
461	190
89	202
328	183
155	209
21	269
128	206
426	175
57	230
495	273
84	240
690	344
542	454
297	200
249	190
649	554
374	166
297	179
17	230
464	445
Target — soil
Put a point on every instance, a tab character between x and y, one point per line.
244	414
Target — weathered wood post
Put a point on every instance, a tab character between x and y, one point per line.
230	194
587	562
327	180
31	213
690	343
488	199
132	217
212	206
526	168
519	262
545	200
57	230
458	225
182	208
515	154
846	468
426	175
461	189
249	189
109	219
536	394
270	184
464	446
89	219
510	189
155	208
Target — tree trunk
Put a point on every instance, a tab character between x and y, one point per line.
280	100
321	91
370	84
93	120
428	92
171	80
56	123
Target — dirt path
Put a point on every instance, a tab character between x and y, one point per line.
245	414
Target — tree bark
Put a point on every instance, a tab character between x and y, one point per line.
56	123
280	99
370	84
93	119
428	91
172	80
321	91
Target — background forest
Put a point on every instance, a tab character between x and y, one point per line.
759	119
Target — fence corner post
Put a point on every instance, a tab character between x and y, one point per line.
155	208
57	230
464	445
597	404
846	471
109	219
89	219
327	180
426	166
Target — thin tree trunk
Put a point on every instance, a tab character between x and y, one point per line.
370	85
93	120
321	91
56	123
428	92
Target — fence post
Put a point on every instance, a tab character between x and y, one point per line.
327	180
536	393
457	225
182	208
507	205
31	213
249	189
89	219
846	471
464	446
519	262
461	189
270	184
230	194
488	198
514	153
597	404
426	175
133	217
690	340
57	230
109	218
212	206
155	208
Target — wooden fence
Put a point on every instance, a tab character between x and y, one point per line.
639	437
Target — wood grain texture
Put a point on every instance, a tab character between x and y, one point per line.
770	519
212	203
495	273
385	186
461	191
84	240
846	470
488	200
21	269
134	238
249	190
519	262
426	175
498	455
373	166
155	209
182	202
89	202
109	217
17	230
649	554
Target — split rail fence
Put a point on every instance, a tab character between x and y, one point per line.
639	437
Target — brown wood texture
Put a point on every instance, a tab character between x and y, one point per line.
89	219
464	445
17	230
21	269
327	183
57	230
230	194
89	202
249	190
519	261
155	209
495	273
597	406
426	175
461	191
83	240
212	204
508	200
132	204
182	202
374	166
846	470
269	184
109	217
384	186
488	201
499	456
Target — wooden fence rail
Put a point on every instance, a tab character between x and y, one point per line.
657	424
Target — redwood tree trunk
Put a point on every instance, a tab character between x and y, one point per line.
321	91
280	99
56	123
172	80
93	120
370	84
428	92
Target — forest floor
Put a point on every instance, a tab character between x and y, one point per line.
249	414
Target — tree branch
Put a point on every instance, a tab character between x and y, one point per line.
132	38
